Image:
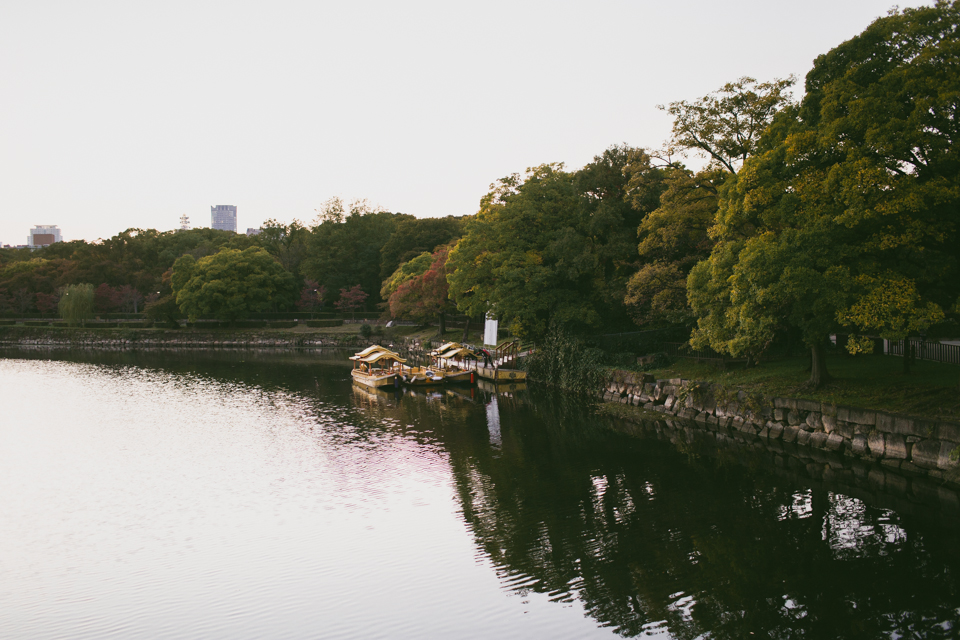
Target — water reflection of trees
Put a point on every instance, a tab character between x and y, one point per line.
645	536
647	539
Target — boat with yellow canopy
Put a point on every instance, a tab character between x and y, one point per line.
376	366
453	362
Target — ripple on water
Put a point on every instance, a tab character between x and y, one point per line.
142	503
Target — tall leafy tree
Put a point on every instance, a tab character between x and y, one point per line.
344	251
231	284
725	126
550	247
847	214
414	236
673	238
76	303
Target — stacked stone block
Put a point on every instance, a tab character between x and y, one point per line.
916	446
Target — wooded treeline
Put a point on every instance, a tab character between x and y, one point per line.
837	213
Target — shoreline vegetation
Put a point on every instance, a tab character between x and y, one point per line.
829	215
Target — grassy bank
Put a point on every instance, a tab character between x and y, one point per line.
875	382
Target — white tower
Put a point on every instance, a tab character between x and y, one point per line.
184	222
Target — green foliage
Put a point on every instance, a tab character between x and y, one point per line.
846	216
726	125
231	284
164	310
344	251
564	361
673	238
76	303
415	236
409	270
324	323
366	330
552	247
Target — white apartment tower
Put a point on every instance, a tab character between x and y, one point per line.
223	217
43	234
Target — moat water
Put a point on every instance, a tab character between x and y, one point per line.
241	494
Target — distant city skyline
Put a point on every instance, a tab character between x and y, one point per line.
417	107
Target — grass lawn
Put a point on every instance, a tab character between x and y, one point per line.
875	382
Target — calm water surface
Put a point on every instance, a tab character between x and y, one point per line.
251	495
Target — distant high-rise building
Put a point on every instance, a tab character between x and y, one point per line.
224	217
184	222
253	232
43	234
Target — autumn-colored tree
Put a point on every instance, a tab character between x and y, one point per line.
425	296
351	299
105	299
311	296
46	302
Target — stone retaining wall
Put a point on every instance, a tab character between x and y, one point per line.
916	446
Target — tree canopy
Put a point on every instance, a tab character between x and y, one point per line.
553	246
847	214
231	284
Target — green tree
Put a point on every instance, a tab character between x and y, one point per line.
673	238
553	246
231	284
725	126
76	303
414	236
847	214
344	251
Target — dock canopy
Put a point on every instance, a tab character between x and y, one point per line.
375	357
458	352
371	350
445	347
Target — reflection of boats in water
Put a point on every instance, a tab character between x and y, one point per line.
375	394
501	387
376	366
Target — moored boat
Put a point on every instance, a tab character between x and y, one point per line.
376	367
453	361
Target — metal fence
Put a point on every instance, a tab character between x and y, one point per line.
931	351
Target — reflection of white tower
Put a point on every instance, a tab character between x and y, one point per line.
493	423
184	222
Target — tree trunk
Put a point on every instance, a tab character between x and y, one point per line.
466	330
818	366
907	355
442	321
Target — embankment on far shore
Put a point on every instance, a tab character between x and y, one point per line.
912	446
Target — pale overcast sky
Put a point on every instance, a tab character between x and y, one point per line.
130	114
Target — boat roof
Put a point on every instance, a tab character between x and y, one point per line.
381	355
458	351
371	350
445	347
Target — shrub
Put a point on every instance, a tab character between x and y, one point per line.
564	361
366	330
